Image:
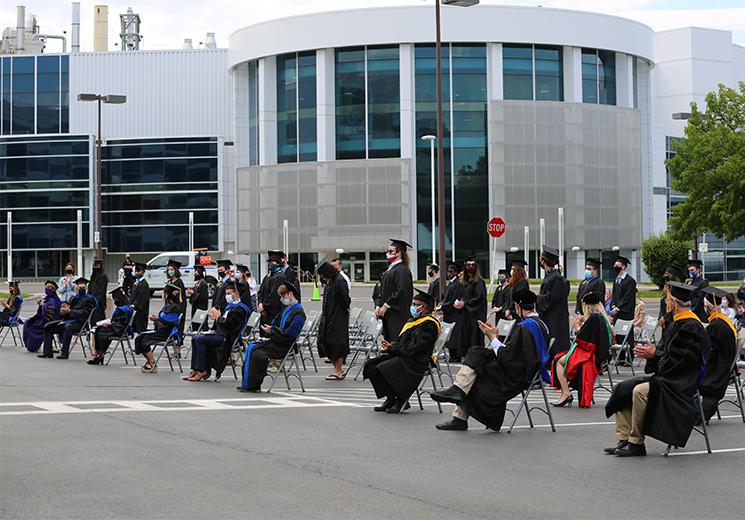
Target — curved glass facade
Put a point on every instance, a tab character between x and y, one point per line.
598	77
296	107
532	72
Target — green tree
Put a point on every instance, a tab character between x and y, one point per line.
709	167
659	251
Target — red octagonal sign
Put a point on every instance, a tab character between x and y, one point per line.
496	227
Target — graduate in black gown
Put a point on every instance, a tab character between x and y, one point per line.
173	275
166	324
491	376
433	272
696	279
500	299
552	303
139	296
592	283
241	283
223	277
268	297
289	271
517	282
199	297
397	372
453	292
113	328
12	305
333	331
672	274
396	290
73	316
99	288
472	307
661	404
723	337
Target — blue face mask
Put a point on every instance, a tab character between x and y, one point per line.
588	274
692	274
414	312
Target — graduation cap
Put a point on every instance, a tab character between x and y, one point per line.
276	255
291	288
681	291
401	245
550	253
591	298
139	266
594	263
224	263
625	261
674	271
519	263
454	265
695	263
174	263
503	271
118	294
424	297
199	267
52	283
173	290
715	295
325	269
241	268
81	279
524	297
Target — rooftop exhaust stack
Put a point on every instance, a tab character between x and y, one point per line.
210	43
130	34
75	45
20	27
187	44
100	28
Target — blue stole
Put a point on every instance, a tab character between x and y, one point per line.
540	344
171	317
249	348
127	310
285	315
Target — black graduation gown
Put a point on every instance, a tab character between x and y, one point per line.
291	276
716	380
268	296
522	285
199	298
218	297
162	329
181	302
671	412
140	298
434	290
453	291
333	332
400	370
99	290
229	326
501	299
697	302
396	290
624	297
105	335
553	310
469	334
376	295
593	285
501	377
244	290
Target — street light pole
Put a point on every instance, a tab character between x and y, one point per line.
431	139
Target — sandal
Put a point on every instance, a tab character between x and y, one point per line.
149	369
335	377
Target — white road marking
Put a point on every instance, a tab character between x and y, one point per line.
702	452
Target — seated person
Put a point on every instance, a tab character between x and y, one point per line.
281	333
166	324
107	331
491	376
211	350
49	310
74	314
723	337
398	371
12	306
579	367
661	405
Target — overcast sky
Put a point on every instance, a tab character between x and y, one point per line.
165	23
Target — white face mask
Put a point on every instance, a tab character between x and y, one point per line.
229	298
285	301
725	304
238	275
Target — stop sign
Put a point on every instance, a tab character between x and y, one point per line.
496	227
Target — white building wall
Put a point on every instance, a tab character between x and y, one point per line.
169	93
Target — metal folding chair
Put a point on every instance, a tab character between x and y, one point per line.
504	327
622	328
13	327
305	340
170	343
83	336
367	345
649	329
290	360
440	355
354	317
237	349
535	383
201	319
251	331
701	428
124	338
734	379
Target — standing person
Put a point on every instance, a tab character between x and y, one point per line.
453	292
49	310
396	290
140	298
241	283
128	268
270	304
252	287
289	270
499	302
518	282
199	296
333	331
108	330
433	273
336	262
173	275
696	279
472	307
67	283
592	283
672	274
223	275
73	316
99	288
552	303
623	299
166	323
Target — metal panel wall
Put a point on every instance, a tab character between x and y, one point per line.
169	93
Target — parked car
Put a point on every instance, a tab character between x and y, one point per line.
156	269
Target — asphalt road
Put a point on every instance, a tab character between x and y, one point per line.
80	441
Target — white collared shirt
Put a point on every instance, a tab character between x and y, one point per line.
346	278
394	264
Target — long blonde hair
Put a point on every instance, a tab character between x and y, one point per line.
589	308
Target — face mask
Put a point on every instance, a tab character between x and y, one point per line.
81	291
588	274
725	304
221	274
617	268
285	301
502	279
430	274
238	275
274	268
229	298
413	311
667	277
197	276
68	271
391	257
138	275
171	272
692	274
48	291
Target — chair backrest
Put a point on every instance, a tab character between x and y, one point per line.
624	328
649	327
504	327
354	315
200	317
253	319
445	330
13	318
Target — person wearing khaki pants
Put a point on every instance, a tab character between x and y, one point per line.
630	420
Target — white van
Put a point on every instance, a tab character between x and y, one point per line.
156	269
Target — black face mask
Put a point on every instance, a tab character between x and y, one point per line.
617	268
68	271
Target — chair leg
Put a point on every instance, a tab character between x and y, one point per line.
313	358
631	362
738	394
112	351
300	379
610	379
434	387
287	379
352	362
527	408
517	413
548	407
704	428
667	450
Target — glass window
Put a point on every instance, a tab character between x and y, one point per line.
383	107
589	76
159	238
253	113
350	103
607	77
308	145
287	108
23	96
65	94
6	64
517	67
549	74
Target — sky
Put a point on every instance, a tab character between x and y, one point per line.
165	23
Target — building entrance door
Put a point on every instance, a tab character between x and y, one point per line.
358	271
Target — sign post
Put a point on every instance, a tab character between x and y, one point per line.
496	228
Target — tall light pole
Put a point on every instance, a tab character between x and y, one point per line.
113	100
432	139
440	135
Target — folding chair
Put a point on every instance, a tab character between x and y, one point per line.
358	333
305	340
622	328
703	431
201	319
354	316
440	355
599	385
251	331
649	329
171	342
368	344
83	334
236	350
504	327
14	327
286	369
535	383
125	337
739	392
